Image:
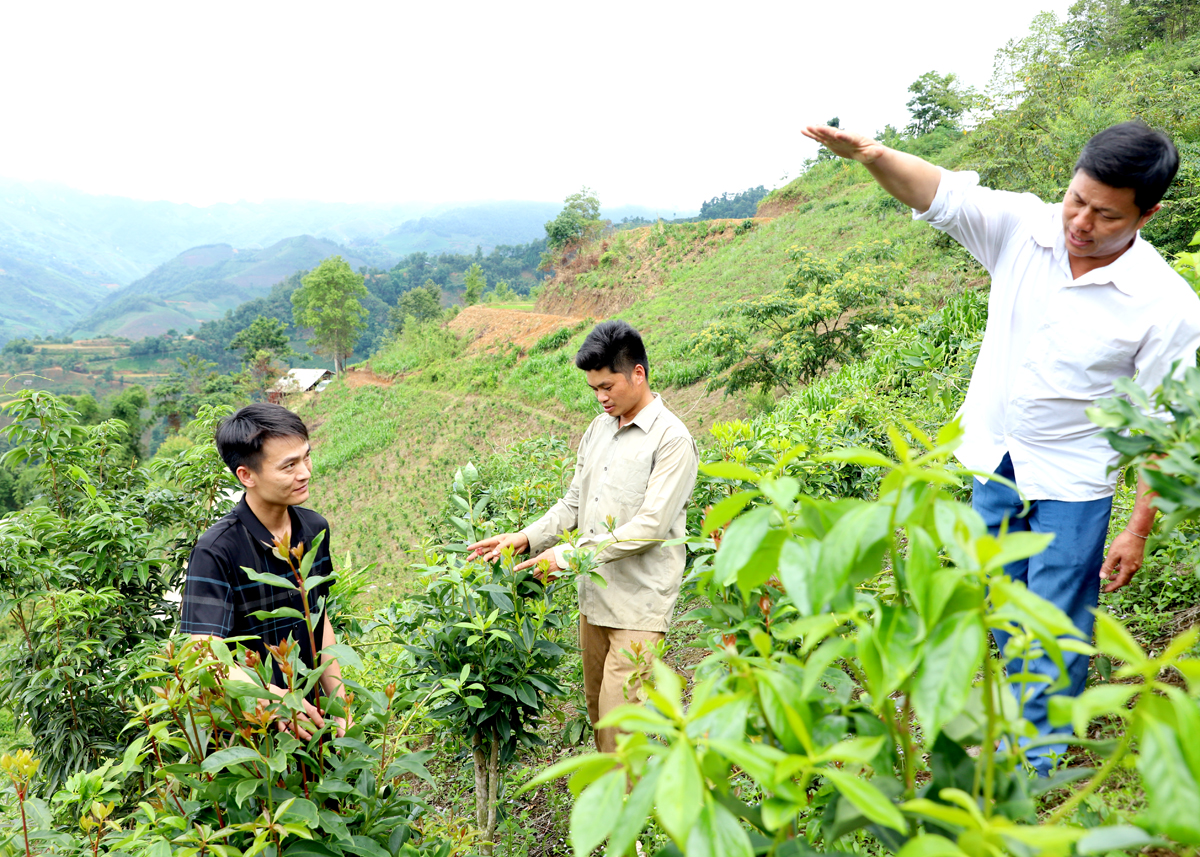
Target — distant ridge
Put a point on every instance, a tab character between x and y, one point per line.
201	283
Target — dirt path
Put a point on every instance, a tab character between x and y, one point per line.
364	376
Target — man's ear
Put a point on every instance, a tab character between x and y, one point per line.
1145	218
246	476
638	374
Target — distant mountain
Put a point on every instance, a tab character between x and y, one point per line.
63	253
202	283
487	224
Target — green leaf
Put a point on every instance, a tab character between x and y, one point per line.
269	579
1113	639
278	613
679	793
308	848
718	833
364	847
741	540
951	655
561	769
244	789
301	810
1172	794
729	470
869	800
229	756
346	656
360	747
635	815
725	511
1116	837
928	845
595	811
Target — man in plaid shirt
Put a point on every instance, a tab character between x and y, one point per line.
266	446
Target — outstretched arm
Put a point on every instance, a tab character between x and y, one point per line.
910	179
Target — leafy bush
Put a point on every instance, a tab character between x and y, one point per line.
86	574
850	675
792	336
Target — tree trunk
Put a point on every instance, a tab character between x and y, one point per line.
493	773
480	781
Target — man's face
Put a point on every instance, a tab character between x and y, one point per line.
283	472
1100	221
615	392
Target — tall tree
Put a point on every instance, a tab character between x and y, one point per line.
328	302
263	334
475	282
580	215
937	100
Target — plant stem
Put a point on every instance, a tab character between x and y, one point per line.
493	773
1110	765
989	734
24	823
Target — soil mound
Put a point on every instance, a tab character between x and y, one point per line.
488	327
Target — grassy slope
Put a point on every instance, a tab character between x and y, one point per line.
386	454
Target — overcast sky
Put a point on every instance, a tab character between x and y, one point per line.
657	103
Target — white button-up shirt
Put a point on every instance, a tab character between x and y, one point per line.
1055	344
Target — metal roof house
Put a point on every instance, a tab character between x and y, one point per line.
299	381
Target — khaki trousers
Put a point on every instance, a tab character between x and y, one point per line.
605	670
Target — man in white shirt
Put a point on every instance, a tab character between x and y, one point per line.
636	467
1078	299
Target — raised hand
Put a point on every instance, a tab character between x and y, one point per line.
845	144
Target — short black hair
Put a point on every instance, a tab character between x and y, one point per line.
615	346
240	437
1132	155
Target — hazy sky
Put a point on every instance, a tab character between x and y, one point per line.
657	103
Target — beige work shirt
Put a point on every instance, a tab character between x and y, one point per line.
642	475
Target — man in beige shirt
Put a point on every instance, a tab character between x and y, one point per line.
636	464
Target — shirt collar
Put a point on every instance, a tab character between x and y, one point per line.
260	533
1121	272
646	416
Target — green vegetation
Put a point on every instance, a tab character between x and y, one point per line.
830	688
328	302
819	318
732	206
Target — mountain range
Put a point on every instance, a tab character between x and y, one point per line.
68	258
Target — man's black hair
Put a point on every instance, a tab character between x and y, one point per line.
615	346
240	437
1132	155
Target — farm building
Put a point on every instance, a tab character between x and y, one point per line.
299	381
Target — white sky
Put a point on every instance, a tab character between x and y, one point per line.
657	103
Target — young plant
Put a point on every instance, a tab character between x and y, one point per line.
866	696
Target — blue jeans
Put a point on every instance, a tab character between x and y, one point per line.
1067	574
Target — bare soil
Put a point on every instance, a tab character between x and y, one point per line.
364	376
489	328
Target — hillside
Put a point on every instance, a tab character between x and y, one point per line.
200	284
448	404
387	441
